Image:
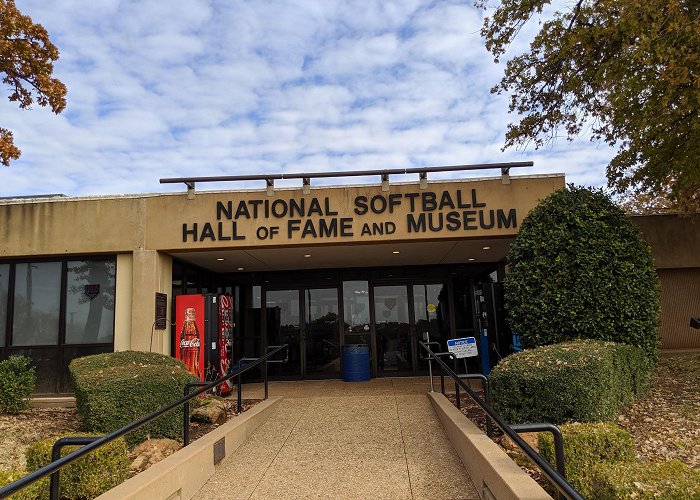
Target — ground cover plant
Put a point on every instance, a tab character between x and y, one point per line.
579	268
17	383
88	477
665	480
585	446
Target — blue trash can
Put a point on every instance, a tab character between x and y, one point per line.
355	362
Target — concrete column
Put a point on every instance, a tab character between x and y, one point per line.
152	272
122	304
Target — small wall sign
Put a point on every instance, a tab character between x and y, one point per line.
463	348
161	310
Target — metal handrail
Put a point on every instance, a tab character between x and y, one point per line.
485	388
59	464
384	173
557	480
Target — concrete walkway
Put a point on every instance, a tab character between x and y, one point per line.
330	439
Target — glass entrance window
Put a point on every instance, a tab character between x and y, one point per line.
356	312
322	338
392	321
284	327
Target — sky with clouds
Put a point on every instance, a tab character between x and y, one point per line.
204	88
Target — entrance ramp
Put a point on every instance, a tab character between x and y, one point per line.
331	439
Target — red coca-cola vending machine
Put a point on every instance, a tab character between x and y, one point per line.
204	336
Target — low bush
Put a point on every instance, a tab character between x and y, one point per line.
17	382
661	481
110	395
31	492
88	477
577	381
121	358
586	445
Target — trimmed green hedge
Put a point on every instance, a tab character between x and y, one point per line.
661	481
88	477
582	381
579	268
110	395
586	445
121	358
31	492
17	382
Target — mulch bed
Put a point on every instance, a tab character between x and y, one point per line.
199	429
19	431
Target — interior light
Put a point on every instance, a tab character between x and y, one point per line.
471	259
395	252
220	259
487	248
307	255
241	268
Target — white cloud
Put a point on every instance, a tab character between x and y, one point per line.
213	88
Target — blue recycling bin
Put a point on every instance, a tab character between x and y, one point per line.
355	362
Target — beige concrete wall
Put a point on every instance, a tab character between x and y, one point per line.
122	304
183	473
674	239
166	215
70	226
491	470
675	247
152	272
57	226
680	299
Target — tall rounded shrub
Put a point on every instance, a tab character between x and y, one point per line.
579	268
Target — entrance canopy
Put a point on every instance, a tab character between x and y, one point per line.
477	250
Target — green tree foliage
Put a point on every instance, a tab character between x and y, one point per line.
579	268
26	66
625	71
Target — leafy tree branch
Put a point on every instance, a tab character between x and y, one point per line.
26	66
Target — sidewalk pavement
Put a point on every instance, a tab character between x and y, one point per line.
330	439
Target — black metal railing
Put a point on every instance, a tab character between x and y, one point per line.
239	380
93	443
555	477
458	400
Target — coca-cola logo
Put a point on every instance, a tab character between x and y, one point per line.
194	342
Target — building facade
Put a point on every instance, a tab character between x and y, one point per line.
316	268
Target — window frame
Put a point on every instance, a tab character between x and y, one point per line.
61	383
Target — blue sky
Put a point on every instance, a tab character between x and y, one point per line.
202	88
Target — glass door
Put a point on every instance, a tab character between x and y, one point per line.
393	327
431	315
283	320
402	314
322	334
307	320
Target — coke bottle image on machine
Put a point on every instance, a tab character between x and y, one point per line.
190	343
